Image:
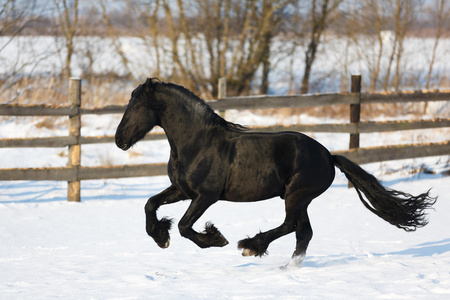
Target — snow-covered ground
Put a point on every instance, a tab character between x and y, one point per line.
98	249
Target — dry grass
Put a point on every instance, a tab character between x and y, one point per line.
32	91
134	153
107	90
101	91
48	122
96	92
342	112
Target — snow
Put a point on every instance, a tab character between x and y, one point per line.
98	249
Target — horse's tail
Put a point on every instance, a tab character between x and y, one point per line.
398	208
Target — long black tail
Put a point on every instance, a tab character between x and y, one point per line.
398	208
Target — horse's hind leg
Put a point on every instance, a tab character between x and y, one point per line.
296	220
303	234
257	246
159	229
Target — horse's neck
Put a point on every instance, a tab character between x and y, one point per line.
182	124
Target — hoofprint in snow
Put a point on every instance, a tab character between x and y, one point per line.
99	248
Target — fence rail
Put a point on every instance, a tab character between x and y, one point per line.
74	172
241	103
362	155
362	127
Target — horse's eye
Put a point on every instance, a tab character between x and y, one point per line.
135	108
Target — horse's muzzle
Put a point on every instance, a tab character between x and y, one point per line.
121	145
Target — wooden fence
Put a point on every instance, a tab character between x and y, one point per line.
74	172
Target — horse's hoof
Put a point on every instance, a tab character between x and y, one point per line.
295	262
251	247
216	239
167	243
164	245
220	241
249	252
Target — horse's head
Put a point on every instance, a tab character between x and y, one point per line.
141	115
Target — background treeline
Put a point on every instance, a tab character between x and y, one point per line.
195	42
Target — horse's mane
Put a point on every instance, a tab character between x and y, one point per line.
211	118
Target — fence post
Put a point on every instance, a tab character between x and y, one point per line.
222	92
355	115
222	88
73	190
355	110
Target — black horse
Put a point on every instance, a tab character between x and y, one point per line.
212	159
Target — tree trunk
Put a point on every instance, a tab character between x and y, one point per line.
68	21
318	26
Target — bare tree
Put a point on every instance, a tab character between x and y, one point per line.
372	37
441	13
236	36
150	11
402	18
114	37
376	16
319	13
17	18
67	14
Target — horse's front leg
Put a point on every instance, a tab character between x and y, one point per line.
159	229
211	237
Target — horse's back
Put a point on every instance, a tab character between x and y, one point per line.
263	164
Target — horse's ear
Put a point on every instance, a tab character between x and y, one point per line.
149	89
148	85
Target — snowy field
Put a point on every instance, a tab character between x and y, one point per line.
98	249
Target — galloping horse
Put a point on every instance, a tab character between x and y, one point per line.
212	159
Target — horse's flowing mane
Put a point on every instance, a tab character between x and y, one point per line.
210	117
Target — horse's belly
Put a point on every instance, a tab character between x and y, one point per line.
253	186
